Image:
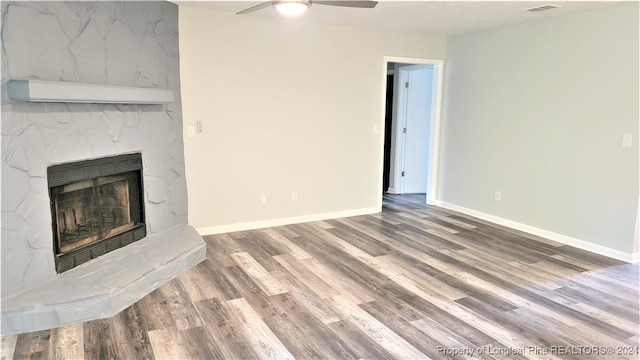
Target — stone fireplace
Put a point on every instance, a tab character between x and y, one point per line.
94	195
96	207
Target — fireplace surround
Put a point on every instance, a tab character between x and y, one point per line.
124	44
96	207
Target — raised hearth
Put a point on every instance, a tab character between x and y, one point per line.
106	285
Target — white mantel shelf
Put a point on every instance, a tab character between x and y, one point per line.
66	92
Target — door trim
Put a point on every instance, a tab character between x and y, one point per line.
434	123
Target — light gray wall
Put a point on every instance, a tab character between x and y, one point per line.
285	105
537	111
119	43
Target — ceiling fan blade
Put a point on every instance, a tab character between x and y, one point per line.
354	4
255	8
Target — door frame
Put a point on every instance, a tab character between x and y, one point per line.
434	122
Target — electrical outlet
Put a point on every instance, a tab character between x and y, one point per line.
263	199
294	196
498	196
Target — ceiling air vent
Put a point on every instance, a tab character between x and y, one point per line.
543	8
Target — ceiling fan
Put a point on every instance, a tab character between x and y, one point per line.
293	7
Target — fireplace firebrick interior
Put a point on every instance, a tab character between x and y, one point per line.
96	207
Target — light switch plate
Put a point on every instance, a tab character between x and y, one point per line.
627	139
191	131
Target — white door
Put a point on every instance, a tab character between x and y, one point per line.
417	86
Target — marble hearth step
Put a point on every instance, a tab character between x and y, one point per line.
106	285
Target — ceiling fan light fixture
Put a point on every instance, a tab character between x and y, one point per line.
292	8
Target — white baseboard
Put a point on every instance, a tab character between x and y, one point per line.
220	229
563	239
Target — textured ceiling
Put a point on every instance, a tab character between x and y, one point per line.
443	17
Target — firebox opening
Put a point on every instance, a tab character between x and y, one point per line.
96	207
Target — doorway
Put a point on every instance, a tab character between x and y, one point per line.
412	123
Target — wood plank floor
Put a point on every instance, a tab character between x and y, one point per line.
411	282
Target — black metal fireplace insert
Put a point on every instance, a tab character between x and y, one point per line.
97	206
